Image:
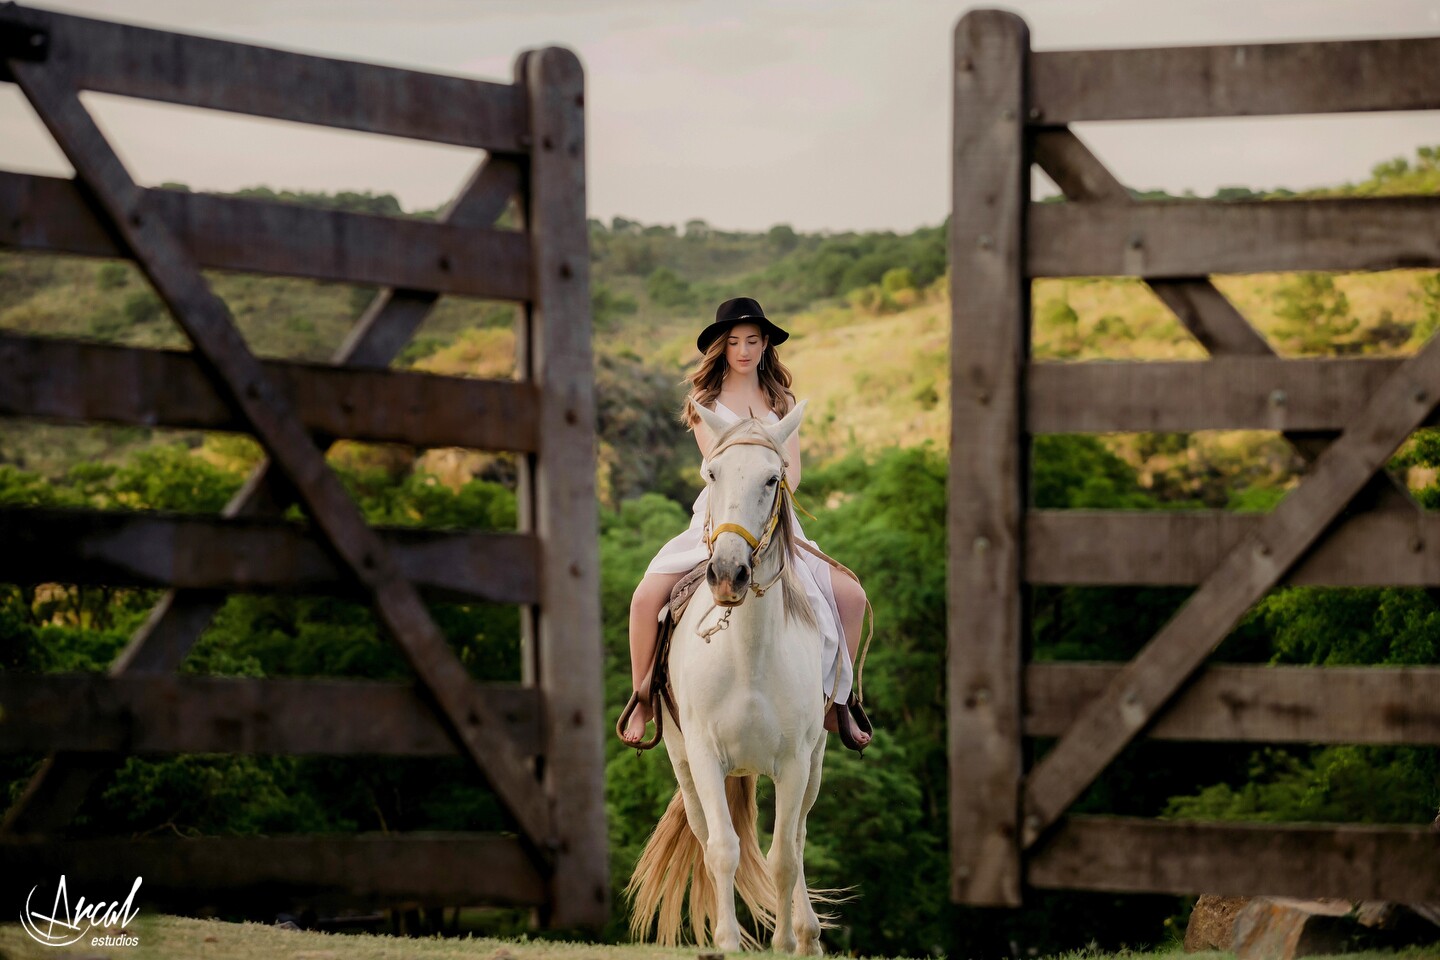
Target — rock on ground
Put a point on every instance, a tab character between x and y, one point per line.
1212	923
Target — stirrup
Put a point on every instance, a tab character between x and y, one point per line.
625	718
849	718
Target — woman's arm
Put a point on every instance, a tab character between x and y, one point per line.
792	449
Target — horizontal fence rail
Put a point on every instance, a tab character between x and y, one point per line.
75	381
322	871
1379	548
143	549
1157	83
1191	238
1271	859
284	239
1253	703
163	714
1226	393
260	81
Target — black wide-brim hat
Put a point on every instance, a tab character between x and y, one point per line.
734	311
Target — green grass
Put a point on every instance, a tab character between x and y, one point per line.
183	938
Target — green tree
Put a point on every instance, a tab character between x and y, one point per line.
668	289
897	279
1314	314
783	238
607	306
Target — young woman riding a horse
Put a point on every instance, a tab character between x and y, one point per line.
749	679
741	375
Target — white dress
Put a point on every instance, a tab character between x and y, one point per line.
683	552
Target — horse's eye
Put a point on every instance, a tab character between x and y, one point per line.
772	481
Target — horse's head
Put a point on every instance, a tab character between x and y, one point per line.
744	472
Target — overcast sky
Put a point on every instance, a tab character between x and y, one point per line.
825	114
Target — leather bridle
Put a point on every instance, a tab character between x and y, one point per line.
758	545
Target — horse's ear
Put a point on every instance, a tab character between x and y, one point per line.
714	421
783	430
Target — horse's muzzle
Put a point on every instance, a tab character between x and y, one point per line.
728	581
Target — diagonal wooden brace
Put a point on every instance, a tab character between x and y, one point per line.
1203	310
238	377
57	789
1147	683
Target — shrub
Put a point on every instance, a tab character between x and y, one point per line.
112	276
142	306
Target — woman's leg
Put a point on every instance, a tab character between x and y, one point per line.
850	601
652	594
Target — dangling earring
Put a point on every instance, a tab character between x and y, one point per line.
762	363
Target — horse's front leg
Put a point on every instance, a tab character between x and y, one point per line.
796	786
806	924
722	849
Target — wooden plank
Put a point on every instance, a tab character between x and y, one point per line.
59	786
1247	571
1204	310
87	382
259	872
1350	861
1236	80
1192	238
282	239
990	320
561	499
193	714
525	373
207	322
1257	703
395	314
1239	393
261	81
134	549
1375	548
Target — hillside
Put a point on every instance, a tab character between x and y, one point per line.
868	314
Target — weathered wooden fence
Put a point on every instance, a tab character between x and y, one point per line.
1348	523
538	742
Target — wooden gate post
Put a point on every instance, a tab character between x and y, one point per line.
989	347
559	500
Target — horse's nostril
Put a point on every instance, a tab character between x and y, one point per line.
742	576
710	577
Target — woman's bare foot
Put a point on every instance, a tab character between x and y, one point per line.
832	723
635	729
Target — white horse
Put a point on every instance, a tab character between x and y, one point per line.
746	676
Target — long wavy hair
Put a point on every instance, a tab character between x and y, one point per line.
707	378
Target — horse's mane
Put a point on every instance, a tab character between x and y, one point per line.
797	606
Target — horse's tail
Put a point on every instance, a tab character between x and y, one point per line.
674	858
